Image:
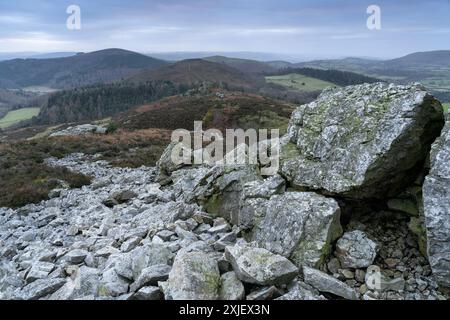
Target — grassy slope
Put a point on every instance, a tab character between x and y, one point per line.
446	106
24	178
16	116
299	82
234	110
196	70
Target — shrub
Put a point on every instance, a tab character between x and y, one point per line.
112	127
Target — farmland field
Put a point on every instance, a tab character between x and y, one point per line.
299	82
13	117
446	106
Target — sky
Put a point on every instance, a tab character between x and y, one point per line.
315	28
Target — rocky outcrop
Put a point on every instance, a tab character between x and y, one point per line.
224	232
436	198
361	141
80	130
298	225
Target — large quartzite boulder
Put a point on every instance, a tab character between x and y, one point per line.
361	141
436	197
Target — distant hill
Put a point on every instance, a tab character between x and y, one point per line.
75	71
422	59
53	55
243	65
431	68
414	61
347	64
279	64
194	71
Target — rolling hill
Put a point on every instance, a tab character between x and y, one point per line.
419	61
195	71
431	68
429	59
75	71
243	65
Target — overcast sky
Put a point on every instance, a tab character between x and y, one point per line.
304	27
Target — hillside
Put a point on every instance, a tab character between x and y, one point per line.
337	77
101	101
75	71
298	82
427	59
431	68
347	64
195	71
243	65
218	110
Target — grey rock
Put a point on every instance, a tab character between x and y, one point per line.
298	225
124	196
106	252
72	231
254	196
231	288
301	291
130	244
76	256
267	293
28	236
166	166
219	229
112	284
147	293
122	264
325	283
151	276
149	255
165	234
260	266
80	130
220	190
334	265
361	141
436	199
47	216
194	276
39	270
356	250
41	288
84	282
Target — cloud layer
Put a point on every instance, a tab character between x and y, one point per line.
304	27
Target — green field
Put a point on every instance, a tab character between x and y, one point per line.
39	89
16	116
437	84
299	82
446	106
